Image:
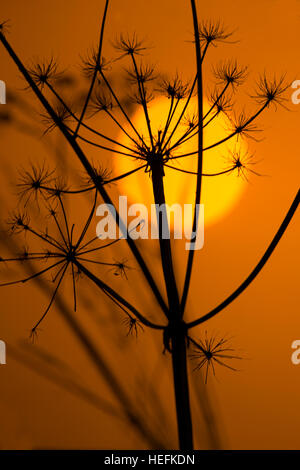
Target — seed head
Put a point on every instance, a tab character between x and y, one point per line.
243	126
32	182
229	72
271	91
91	64
58	188
129	45
213	33
241	162
101	102
18	222
174	88
103	175
212	351
120	268
146	98
132	325
143	74
44	72
223	103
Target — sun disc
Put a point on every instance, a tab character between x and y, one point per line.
219	194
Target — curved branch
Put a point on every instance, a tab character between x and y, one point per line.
102	147
257	268
223	172
91	188
95	71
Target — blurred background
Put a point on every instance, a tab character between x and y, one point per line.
52	395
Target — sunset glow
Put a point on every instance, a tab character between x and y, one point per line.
219	193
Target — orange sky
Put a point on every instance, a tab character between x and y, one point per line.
255	408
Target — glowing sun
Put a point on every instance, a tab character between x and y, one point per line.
219	193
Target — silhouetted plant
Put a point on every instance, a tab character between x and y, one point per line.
152	152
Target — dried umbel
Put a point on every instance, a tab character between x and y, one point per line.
61	250
212	33
230	73
91	65
32	182
271	91
45	72
67	249
131	45
210	352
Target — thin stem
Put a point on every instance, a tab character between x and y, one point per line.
102	147
187	101
164	242
121	127
171	118
188	135
143	98
52	298
88	222
223	172
216	101
33	276
59	229
46	239
65	219
238	131
91	188
32	257
74	288
95	71
182	113
86	126
98	248
128	173
121	107
181	386
200	155
100	263
167	122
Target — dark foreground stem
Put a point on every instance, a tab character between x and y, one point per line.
164	239
177	331
181	388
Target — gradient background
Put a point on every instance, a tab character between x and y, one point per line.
255	408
